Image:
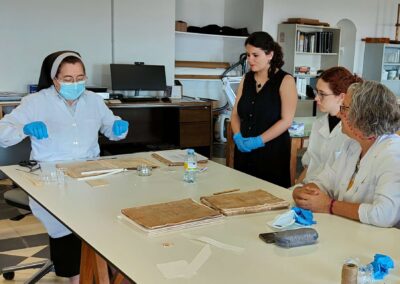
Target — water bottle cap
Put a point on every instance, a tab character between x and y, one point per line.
190	151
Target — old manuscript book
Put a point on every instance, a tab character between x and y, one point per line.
176	157
171	215
244	202
97	167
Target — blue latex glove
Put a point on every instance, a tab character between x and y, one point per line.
381	264
303	216
239	141
120	127
253	143
36	129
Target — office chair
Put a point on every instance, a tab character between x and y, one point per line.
18	198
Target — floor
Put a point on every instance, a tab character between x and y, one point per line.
22	241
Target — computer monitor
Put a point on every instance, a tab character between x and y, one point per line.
129	77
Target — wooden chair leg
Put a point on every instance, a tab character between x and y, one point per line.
230	145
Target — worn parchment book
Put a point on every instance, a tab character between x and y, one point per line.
97	167
244	202
176	157
179	214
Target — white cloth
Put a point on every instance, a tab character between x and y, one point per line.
323	148
377	184
71	135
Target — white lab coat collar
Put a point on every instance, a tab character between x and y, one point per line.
366	162
326	133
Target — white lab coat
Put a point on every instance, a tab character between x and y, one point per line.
377	184
323	148
71	135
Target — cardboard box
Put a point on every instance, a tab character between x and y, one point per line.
181	26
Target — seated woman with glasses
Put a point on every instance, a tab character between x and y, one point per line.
364	181
63	121
326	136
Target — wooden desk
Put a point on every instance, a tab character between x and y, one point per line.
181	123
7	104
93	215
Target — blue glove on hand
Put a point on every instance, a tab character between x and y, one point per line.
381	264
303	216
36	129
253	143
120	127
238	138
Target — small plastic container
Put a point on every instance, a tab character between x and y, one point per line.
144	170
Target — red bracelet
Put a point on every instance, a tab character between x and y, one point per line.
331	206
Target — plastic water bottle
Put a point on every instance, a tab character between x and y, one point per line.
190	166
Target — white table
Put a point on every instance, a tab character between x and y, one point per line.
92	214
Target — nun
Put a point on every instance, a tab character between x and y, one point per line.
62	120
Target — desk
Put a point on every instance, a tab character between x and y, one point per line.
181	123
297	143
7	104
92	215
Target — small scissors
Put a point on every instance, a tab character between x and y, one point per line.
32	165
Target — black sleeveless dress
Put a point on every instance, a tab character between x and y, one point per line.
258	112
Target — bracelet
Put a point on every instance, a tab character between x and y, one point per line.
331	206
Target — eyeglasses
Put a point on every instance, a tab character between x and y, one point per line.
344	108
70	79
322	95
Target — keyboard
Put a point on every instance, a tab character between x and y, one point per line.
139	99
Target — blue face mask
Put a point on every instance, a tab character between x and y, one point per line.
72	91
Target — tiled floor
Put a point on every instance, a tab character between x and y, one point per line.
22	241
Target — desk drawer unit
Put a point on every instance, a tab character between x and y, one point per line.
195	126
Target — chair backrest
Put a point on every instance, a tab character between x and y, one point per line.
14	154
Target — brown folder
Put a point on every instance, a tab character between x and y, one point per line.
170	214
244	202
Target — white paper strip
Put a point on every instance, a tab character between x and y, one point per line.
181	269
215	243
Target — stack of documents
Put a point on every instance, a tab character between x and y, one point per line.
176	157
244	202
163	217
99	167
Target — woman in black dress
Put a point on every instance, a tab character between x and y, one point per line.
264	109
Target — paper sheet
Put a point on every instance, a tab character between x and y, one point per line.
183	269
215	243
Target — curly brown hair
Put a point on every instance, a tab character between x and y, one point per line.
339	79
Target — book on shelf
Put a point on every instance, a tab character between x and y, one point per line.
314	42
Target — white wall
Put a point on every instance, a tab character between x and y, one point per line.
373	18
30	30
145	31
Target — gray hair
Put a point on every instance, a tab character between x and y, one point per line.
373	109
